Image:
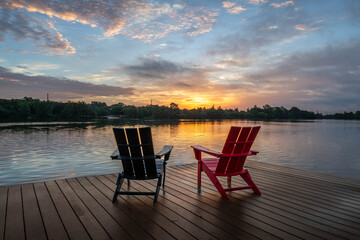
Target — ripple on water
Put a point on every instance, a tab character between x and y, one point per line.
37	154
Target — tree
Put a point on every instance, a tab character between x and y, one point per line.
117	109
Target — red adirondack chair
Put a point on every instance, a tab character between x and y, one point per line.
230	162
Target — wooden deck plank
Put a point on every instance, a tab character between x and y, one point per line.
161	220
311	199
92	226
3	206
299	173
113	229
131	226
322	188
203	220
123	205
53	226
178	215
34	227
294	204
71	222
246	200
345	231
14	228
314	196
235	211
217	211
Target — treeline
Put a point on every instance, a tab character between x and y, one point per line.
34	109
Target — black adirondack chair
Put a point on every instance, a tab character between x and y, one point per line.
136	152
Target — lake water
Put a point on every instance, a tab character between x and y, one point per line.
37	152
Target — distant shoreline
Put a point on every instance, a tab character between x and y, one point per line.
29	109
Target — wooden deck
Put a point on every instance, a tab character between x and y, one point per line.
294	205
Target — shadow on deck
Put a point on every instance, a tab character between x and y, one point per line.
294	205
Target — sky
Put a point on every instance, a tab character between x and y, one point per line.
233	54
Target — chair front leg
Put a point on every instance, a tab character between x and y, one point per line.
216	182
119	182
198	157
164	172
157	189
199	173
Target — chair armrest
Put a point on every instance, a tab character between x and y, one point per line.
115	154
254	152
166	150
206	150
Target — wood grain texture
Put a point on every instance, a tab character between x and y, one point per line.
294	204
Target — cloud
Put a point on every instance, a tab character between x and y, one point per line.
327	78
162	76
18	85
233	8
271	26
309	27
155	68
257	2
142	20
22	27
283	4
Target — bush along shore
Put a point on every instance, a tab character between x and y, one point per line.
34	109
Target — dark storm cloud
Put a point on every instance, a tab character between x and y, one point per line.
19	85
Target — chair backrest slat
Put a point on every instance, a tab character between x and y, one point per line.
123	148
148	150
247	146
238	141
238	147
136	152
228	148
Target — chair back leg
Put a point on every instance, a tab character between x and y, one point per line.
247	178
215	181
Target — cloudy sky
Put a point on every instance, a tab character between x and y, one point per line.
303	53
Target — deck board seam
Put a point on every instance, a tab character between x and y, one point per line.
56	209
117	208
287	217
6	211
175	222
180	207
336	185
110	215
131	217
282	216
135	206
209	183
139	199
230	223
261	180
38	206
168	193
322	195
289	199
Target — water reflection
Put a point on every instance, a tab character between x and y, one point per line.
39	152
